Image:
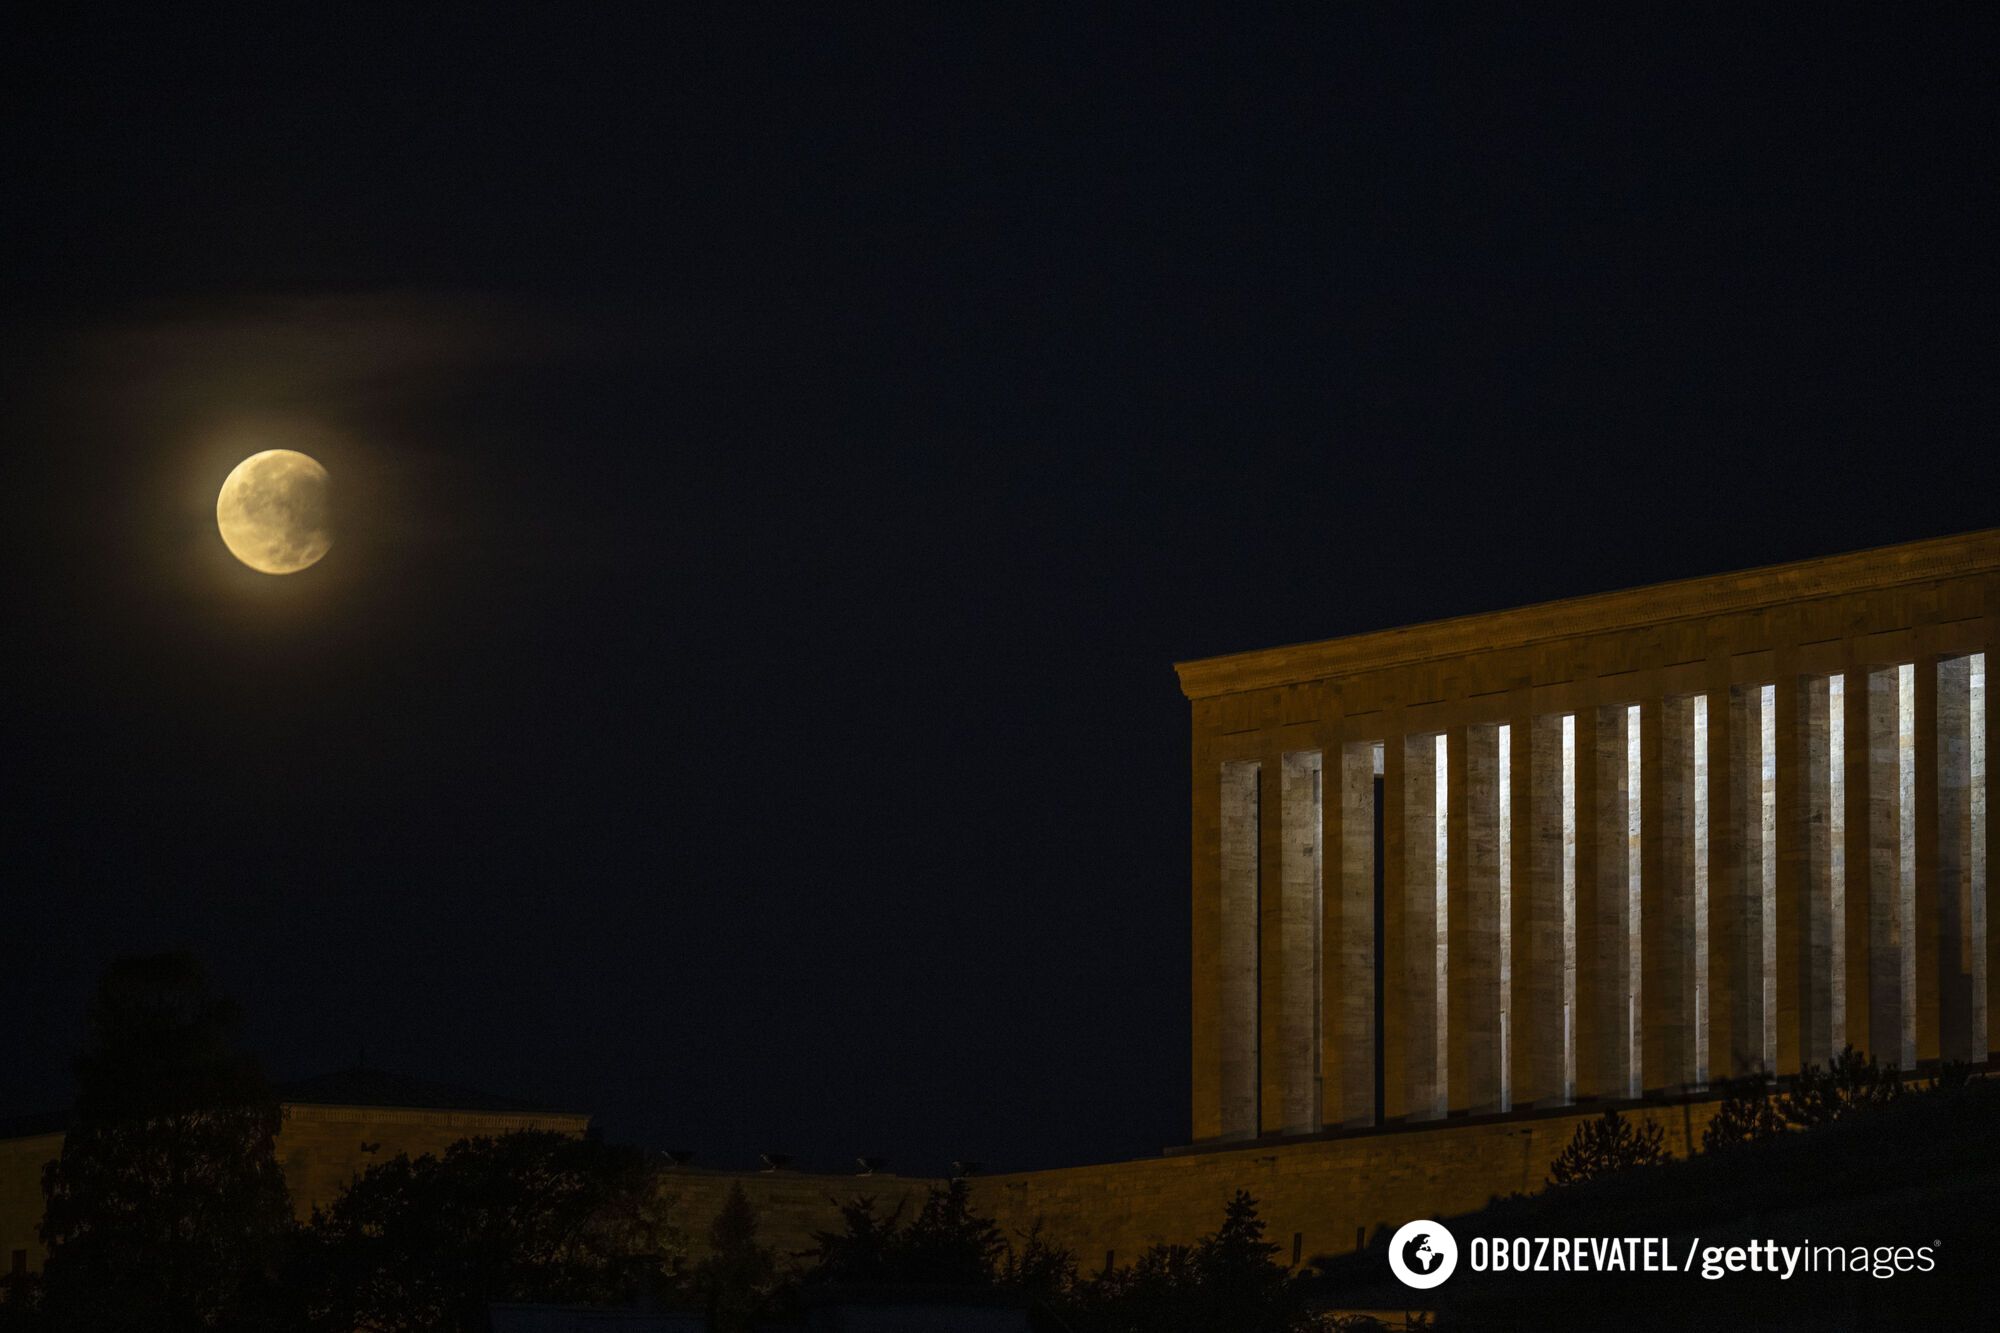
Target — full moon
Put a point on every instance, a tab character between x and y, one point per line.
272	512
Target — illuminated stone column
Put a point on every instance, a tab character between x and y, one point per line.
1702	814
1668	808
1954	862
1793	916
1536	1036
1755	758
1982	828
1348	1062
1236	991
1473	961
1396	930
1603	899
1906	855
1884	869
1922	846
1816	999
1983	841
1591	986
1205	1075
1857	761
1731	977
1299	945
1271	948
1425	876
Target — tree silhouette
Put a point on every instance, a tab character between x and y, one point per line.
1607	1145
1039	1267
1239	1269
1747	1115
736	1281
1158	1293
861	1252
167	1208
1228	1282
427	1244
947	1244
1850	1082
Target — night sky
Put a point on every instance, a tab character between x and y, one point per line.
781	456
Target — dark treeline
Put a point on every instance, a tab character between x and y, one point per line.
167	1211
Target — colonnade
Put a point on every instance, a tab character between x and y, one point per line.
1539	896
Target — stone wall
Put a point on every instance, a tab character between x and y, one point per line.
21	1162
790	1205
321	1149
1324	1193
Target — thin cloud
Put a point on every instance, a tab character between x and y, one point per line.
285	351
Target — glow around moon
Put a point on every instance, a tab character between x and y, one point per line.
273	511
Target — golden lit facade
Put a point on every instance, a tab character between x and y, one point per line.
1595	849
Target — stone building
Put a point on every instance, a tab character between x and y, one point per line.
1458	886
1622	844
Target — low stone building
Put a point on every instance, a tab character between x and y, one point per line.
335	1127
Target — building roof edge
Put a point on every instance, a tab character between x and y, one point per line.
1712	594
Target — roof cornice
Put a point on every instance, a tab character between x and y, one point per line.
1632	608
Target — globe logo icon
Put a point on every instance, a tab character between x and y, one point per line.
1422	1254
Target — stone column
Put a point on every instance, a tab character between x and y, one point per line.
1989	844
1732	973
1205	791
1423	1075
1473	920
1954	860
1535	1009
1859	738
1794	953
1602	888
1592	987
1816	948
1760	812
1925	941
1667	892
1237	1006
1299	952
1396	931
1270	973
1348	1062
1883	867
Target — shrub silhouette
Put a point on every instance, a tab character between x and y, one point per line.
1850	1082
863	1251
1227	1282
1953	1076
1747	1115
736	1282
533	1215
1606	1146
